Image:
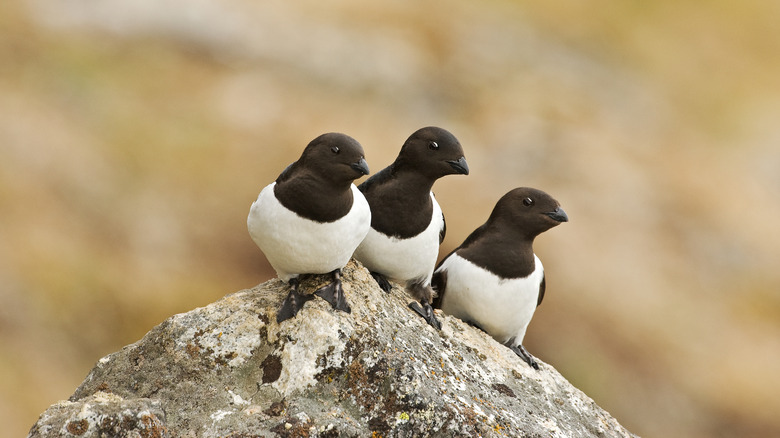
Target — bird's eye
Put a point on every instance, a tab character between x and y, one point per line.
433	145
335	149
528	202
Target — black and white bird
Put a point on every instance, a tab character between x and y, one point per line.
493	280
311	219
407	224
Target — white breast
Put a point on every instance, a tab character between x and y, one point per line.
296	245
503	308
404	259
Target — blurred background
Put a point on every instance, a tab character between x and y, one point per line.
135	135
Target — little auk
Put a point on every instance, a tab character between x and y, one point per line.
407	224
493	280
312	218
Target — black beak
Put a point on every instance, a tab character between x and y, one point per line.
460	165
559	215
361	166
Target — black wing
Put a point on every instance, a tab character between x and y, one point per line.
376	179
439	285
542	287
285	173
443	230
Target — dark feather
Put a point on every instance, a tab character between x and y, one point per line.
439	285
443	231
376	179
400	207
542	287
286	172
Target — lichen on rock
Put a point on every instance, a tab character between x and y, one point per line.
228	369
103	414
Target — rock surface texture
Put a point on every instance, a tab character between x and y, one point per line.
229	370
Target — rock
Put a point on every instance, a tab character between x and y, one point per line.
229	370
103	414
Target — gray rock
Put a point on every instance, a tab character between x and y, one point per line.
103	415
229	370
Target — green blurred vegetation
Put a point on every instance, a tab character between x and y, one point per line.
133	139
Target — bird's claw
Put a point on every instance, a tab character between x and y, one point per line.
426	311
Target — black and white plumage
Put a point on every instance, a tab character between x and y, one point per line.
494	280
311	219
407	224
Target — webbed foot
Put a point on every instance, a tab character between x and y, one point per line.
293	303
382	281
525	355
334	293
425	310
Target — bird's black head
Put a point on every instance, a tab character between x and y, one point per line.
335	157
529	211
433	152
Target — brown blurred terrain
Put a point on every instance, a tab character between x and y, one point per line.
135	135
